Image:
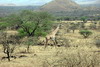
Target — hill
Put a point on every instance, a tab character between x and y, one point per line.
60	5
56	7
70	8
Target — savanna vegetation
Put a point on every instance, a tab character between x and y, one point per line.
39	39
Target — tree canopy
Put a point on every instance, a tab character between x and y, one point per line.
31	23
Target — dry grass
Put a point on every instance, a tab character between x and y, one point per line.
81	53
51	56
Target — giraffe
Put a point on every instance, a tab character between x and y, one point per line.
52	36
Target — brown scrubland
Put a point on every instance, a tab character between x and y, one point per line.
72	49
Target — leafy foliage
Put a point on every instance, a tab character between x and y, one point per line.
21	32
31	23
3	25
84	19
85	33
35	23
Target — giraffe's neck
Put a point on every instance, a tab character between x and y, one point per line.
55	31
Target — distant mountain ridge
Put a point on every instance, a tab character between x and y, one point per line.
91	5
6	10
56	7
9	4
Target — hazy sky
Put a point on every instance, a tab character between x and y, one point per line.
87	1
41	2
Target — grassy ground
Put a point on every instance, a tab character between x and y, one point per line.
51	56
80	53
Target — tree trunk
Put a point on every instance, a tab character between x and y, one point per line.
8	53
73	31
45	45
28	47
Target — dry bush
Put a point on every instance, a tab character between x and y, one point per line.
9	43
97	43
78	60
63	42
93	26
97	40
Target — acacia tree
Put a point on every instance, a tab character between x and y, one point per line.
85	33
84	19
31	24
34	24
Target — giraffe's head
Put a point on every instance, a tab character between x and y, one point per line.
60	25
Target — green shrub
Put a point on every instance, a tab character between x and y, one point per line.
85	33
3	25
22	33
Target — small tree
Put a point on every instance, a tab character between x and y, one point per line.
9	42
29	42
85	33
82	25
73	27
84	19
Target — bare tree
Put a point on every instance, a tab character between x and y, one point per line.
9	43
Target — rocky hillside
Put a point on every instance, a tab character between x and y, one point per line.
70	8
60	5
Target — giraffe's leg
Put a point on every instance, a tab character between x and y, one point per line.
54	41
55	44
46	42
